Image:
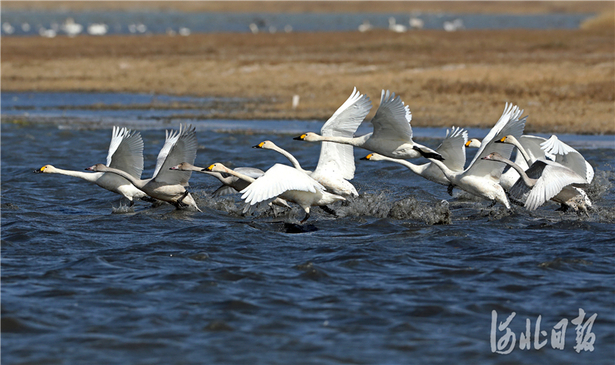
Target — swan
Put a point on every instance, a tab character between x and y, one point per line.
392	136
125	153
336	162
451	148
532	148
230	183
542	181
286	182
167	185
481	178
397	28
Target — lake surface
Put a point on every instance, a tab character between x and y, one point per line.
405	274
147	22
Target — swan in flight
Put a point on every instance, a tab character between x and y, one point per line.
533	148
230	183
336	162
480	177
167	185
451	148
542	181
126	154
286	182
392	136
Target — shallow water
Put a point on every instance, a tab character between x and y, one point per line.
163	22
400	276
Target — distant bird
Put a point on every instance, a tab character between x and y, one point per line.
392	136
482	178
97	29
126	154
365	26
71	28
183	31
167	185
285	182
451	149
542	181
25	27
416	23
451	26
288	28
47	33
397	28
253	28
8	28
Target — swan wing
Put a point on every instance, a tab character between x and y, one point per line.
277	180
508	124
338	157
126	151
392	119
252	172
223	190
453	149
531	145
179	146
568	157
552	180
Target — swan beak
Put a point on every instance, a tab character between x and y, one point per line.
210	168
300	138
468	143
503	140
367	157
260	145
40	171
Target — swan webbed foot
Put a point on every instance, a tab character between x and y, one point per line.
328	210
450	188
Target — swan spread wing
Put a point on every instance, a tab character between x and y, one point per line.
252	172
179	147
453	149
277	180
392	119
126	151
337	157
508	124
552	180
568	157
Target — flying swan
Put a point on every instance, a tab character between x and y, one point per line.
125	153
167	185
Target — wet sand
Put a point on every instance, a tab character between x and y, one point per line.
564	79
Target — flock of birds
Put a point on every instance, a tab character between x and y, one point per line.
543	169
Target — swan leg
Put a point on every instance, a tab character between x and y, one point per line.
328	210
131	204
450	188
307	215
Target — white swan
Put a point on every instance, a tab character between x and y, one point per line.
569	157
542	181
167	185
125	153
230	183
397	28
451	148
482	178
285	182
336	162
392	136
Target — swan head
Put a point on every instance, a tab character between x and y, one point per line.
493	156
99	167
372	157
184	166
47	169
265	145
309	137
217	167
473	143
507	139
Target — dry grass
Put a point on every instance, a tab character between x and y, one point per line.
564	79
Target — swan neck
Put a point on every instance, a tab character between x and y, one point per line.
447	172
136	182
526	179
240	175
89	176
357	141
290	157
522	150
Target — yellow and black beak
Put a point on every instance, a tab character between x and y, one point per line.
502	140
468	143
368	157
260	145
41	170
208	168
301	137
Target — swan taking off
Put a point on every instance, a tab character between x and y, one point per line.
126	154
167	185
392	136
451	148
482	178
541	182
286	182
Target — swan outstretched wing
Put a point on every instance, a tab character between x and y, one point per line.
453	149
126	151
568	157
337	157
277	180
252	172
392	119
508	124
553	178
531	145
179	146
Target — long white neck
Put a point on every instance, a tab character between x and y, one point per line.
136	182
89	176
289	156
450	174
417	169
526	179
240	175
356	141
522	150
225	180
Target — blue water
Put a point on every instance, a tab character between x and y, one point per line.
401	276
160	22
